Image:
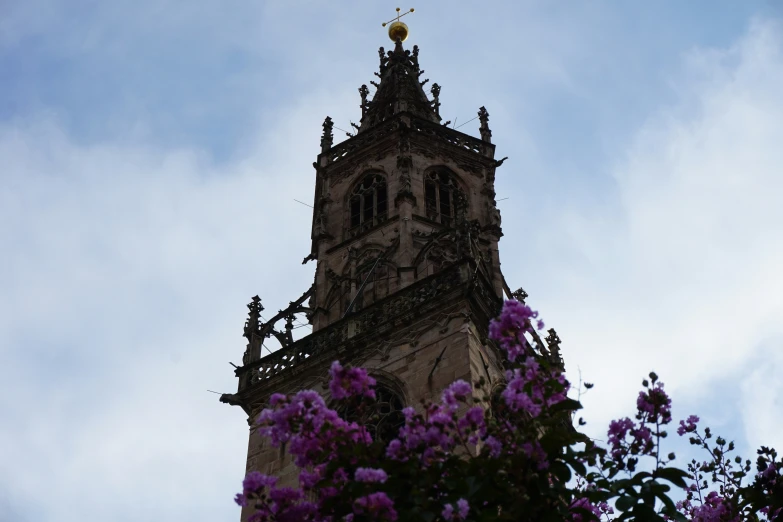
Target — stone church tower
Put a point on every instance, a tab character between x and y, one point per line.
405	237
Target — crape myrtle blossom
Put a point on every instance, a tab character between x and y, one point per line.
688	425
347	382
655	404
378	506
459	459
583	504
370	475
311	430
459	511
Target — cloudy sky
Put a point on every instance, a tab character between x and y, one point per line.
151	152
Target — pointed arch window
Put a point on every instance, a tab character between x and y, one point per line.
383	418
368	203
441	193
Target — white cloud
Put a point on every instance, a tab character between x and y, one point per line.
678	269
125	271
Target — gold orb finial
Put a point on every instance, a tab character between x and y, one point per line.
397	29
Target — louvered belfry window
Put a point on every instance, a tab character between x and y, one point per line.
368	203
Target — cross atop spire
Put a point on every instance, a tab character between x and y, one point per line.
397	29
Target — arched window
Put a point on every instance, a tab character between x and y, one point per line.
441	195
368	203
390	418
383	419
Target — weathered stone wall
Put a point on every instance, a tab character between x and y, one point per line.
449	333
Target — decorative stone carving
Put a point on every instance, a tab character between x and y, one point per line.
330	340
486	134
327	138
553	342
494	217
363	92
519	294
435	90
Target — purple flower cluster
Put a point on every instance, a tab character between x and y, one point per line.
427	439
457	392
509	329
460	513
618	430
688	426
583	503
312	430
529	389
370	475
284	504
350	382
714	508
377	506
656	404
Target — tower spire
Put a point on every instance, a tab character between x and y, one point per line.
399	90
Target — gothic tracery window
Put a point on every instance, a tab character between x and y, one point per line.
368	203
441	193
382	417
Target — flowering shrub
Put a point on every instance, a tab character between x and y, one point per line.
455	460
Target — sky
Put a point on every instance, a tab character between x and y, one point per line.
151	152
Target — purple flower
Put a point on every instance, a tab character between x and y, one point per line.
494	446
255	482
509	329
461	513
714	508
283	496
457	391
370	475
473	421
312	431
530	390
463	508
618	429
309	479
394	450
350	382
378	505
656	404
583	503
688	426
536	453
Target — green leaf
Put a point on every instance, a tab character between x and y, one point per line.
566	405
561	471
578	467
674	475
625	503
